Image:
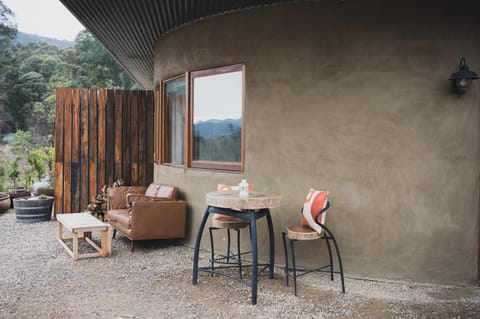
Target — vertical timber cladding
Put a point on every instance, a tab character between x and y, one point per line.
100	136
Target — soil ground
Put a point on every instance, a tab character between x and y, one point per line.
39	280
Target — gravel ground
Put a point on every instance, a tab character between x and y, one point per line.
39	280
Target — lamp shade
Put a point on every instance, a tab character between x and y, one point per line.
462	78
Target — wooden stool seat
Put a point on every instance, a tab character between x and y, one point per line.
300	232
233	223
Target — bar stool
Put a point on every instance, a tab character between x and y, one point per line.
228	223
307	233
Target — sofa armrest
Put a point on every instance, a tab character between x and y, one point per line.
158	219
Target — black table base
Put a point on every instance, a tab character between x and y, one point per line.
251	216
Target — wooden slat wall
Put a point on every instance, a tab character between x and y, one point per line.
101	136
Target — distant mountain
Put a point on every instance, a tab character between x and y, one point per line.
26	37
218	140
213	129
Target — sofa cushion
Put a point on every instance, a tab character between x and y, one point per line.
167	191
152	190
124	219
118	195
113	214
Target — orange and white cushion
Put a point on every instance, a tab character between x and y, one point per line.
315	202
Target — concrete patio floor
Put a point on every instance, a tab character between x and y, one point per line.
39	280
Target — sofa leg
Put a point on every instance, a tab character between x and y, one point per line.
131	245
114	232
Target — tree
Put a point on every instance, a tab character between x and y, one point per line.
8	31
49	66
13	171
32	64
97	68
34	85
37	159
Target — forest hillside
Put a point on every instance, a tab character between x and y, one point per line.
31	68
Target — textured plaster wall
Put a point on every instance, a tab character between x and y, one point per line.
352	98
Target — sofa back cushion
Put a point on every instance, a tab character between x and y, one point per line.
152	190
117	196
167	191
162	191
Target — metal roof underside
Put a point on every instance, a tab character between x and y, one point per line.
130	28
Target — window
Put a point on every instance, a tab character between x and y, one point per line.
174	112
217	118
204	128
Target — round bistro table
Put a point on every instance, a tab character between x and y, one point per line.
251	208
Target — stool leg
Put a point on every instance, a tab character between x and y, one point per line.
329	233
286	256
329	255
238	253
339	264
212	249
292	246
228	245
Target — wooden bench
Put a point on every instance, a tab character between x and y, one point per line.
83	224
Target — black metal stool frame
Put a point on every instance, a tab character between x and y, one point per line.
328	235
226	259
252	216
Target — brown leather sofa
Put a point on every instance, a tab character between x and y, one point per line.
146	213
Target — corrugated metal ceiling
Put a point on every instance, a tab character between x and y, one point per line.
130	28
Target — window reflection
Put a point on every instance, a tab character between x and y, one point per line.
175	102
217	117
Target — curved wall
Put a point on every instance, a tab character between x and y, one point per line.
353	98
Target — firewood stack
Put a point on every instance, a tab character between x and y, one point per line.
98	203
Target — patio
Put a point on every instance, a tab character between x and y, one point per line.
39	280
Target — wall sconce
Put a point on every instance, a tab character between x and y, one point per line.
462	79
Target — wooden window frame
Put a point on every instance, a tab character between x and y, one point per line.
216	165
158	125
162	120
160	144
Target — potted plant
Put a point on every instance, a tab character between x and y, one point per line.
38	160
4	202
13	172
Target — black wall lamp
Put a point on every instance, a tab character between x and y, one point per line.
462	79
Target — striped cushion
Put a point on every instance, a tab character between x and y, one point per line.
315	202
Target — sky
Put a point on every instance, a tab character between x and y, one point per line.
48	18
218	97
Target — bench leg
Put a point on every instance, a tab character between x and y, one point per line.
60	231
104	243
75	246
109	241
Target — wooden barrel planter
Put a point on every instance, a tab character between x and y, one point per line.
33	209
4	202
